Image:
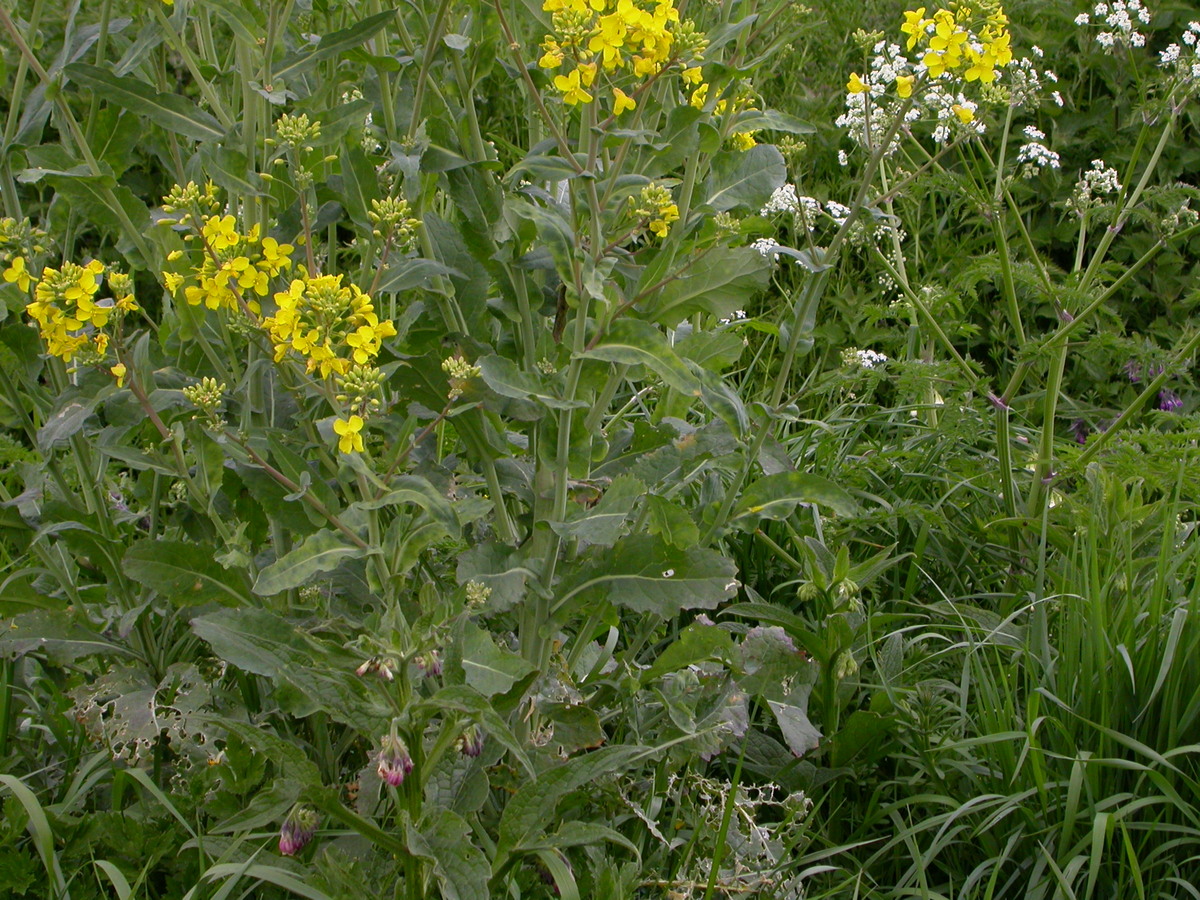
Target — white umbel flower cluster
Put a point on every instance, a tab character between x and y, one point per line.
1119	22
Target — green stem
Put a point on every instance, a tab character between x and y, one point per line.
433	42
193	67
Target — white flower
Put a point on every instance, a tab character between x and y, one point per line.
1037	155
1034	134
767	247
783	199
1082	19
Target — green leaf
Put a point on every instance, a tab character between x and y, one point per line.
360	185
460	866
718	283
487	668
632	342
48	631
775	496
799	733
308	674
530	812
418	491
39	830
465	699
770	120
647	575
323	551
333	45
185	573
270	874
745	180
265	807
696	643
173	112
504	377
415	272
602	524
65	422
671	522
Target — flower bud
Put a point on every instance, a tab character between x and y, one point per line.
470	742
394	762
298	829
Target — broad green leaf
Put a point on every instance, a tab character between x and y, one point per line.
65	422
530	812
799	733
410	273
415	490
504	377
576	726
747	179
333	45
265	808
229	169
460	866
505	571
647	575
696	643
487	668
309	674
173	112
671	522
775	496
185	573
770	120
632	342
50	632
321	552
719	282
603	523
464	699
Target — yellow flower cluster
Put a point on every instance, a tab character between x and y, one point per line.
234	268
641	36
332	326
952	44
656	208
70	316
966	42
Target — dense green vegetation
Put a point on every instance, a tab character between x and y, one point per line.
641	449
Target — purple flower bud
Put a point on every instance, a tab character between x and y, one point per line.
394	762
297	830
470	742
1168	401
1133	371
430	664
1081	431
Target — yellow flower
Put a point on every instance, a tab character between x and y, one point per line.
856	85
553	56
587	73
666	215
699	96
349	434
17	273
120	371
571	89
965	114
692	75
914	25
742	140
904	85
622	101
